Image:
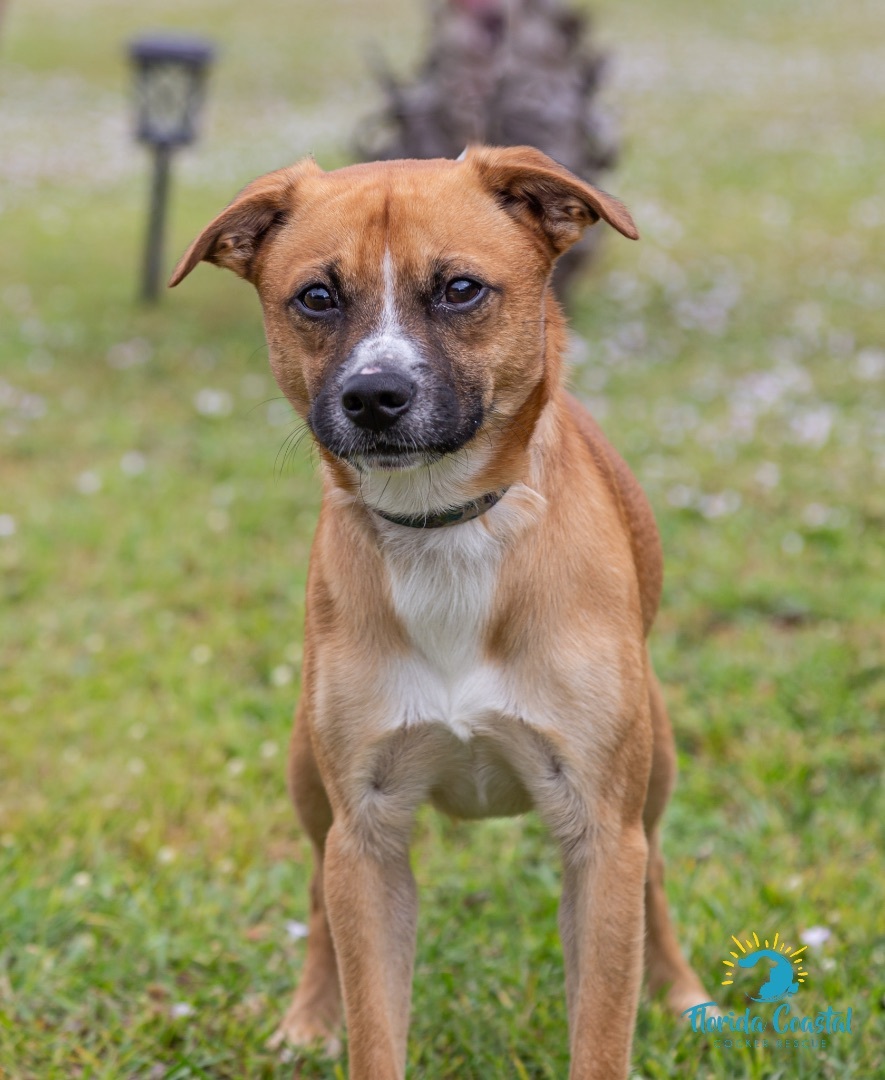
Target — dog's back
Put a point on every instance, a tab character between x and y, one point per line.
634	507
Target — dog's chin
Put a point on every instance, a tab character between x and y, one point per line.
392	461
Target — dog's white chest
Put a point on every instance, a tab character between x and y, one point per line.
443	584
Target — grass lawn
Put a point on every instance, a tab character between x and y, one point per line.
154	544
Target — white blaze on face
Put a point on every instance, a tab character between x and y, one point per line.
389	321
387	345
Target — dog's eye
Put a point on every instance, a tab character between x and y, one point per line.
316	299
462	291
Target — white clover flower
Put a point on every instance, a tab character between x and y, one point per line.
88	483
815	936
212	402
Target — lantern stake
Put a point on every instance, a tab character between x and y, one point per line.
170	75
153	251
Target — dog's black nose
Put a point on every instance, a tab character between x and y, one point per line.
375	400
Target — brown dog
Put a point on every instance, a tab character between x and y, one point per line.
483	578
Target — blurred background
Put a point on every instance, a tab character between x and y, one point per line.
155	524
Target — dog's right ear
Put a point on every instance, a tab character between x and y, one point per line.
234	237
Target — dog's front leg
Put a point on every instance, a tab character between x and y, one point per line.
372	905
602	927
590	787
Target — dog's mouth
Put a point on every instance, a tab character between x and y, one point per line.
390	457
377	453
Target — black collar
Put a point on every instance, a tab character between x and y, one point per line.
453	516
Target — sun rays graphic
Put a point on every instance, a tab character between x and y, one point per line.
787	951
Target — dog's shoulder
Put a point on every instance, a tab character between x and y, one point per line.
633	505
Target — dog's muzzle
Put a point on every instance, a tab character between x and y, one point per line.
383	416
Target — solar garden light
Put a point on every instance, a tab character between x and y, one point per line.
170	73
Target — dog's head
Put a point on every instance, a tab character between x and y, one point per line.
405	301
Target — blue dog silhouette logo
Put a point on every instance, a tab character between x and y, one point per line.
782	978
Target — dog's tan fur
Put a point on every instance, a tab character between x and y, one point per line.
492	666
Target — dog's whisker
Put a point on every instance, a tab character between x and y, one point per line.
290	445
266	401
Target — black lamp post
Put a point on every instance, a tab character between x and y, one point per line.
170	74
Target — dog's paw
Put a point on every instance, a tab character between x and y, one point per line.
687	994
301	1031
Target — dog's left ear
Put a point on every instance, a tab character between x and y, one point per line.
234	238
546	197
